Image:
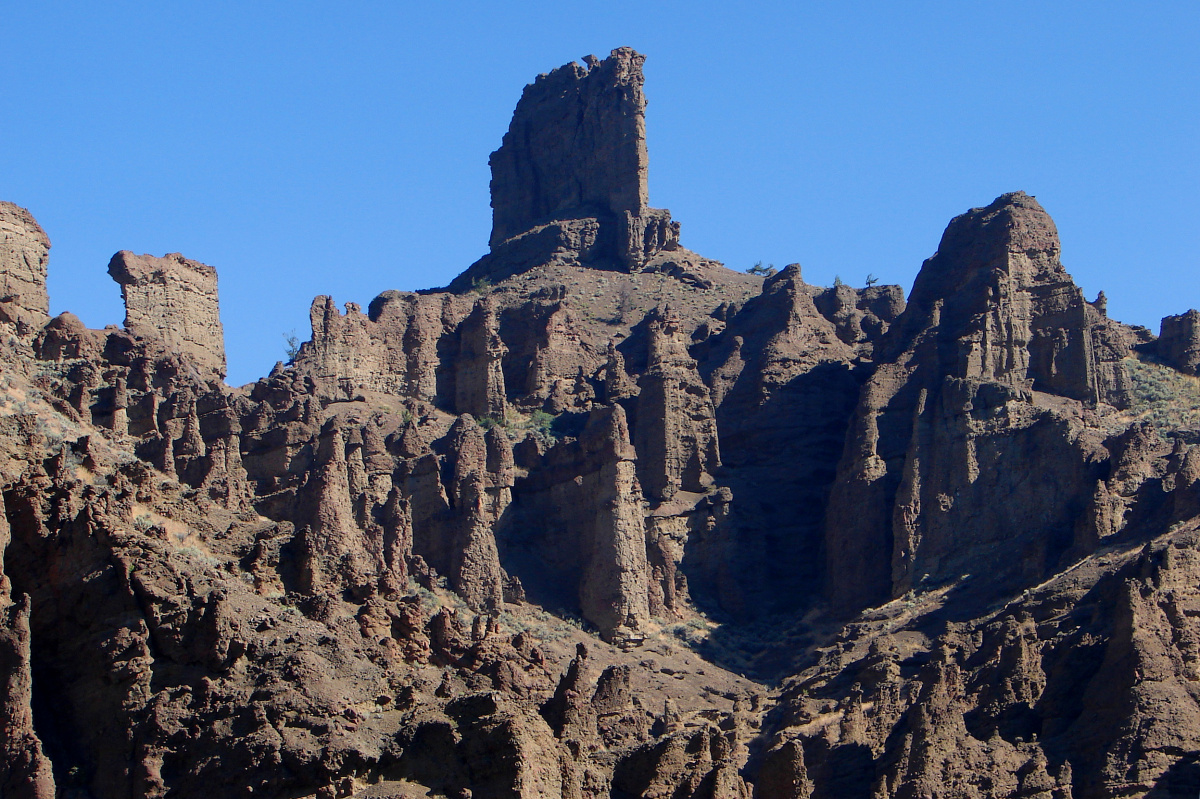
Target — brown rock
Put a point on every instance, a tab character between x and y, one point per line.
1179	341
570	177
174	300
24	252
676	433
24	769
577	143
993	317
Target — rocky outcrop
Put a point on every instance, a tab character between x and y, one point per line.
1179	341
1021	702
24	252
569	181
579	540
676	437
783	384
173	300
944	421
1006	310
861	316
576	147
26	772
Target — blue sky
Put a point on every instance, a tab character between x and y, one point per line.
316	148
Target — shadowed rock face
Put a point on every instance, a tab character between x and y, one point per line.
459	545
24	252
1179	341
931	475
173	300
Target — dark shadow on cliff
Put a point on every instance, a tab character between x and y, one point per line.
1181	780
780	462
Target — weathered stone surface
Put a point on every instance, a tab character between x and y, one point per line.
570	178
1179	341
24	252
861	316
676	435
577	146
24	769
930	469
1006	309
174	300
783	385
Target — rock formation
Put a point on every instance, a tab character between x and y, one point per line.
569	182
576	148
173	300
24	252
993	323
1179	341
552	532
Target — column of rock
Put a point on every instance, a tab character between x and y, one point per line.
335	555
25	770
479	370
577	147
475	571
174	300
24	253
614	590
676	434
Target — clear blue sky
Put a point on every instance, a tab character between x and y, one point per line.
318	148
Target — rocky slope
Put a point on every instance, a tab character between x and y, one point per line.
604	518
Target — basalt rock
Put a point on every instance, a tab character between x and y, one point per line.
24	252
993	324
1179	341
173	300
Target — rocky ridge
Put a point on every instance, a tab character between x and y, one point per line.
525	536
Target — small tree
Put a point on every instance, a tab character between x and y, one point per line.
871	280
762	271
292	348
837	281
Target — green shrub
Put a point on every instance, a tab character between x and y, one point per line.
1162	396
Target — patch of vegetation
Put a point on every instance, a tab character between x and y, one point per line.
540	423
762	271
481	285
292	346
1167	399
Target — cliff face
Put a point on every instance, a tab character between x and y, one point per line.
24	252
173	300
525	536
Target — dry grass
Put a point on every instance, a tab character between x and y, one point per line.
1162	396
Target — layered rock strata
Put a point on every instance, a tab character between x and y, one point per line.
993	326
173	300
24	253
